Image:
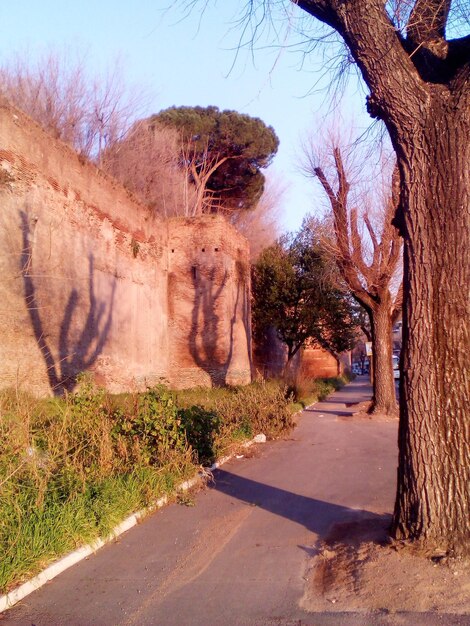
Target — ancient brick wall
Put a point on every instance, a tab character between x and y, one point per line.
310	362
208	303
318	363
84	274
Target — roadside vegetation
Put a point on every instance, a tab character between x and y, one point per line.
305	391
297	291
73	468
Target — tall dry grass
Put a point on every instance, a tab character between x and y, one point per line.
72	468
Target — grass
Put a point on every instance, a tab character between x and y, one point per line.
71	469
306	391
38	535
217	420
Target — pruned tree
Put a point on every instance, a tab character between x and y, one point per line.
414	57
295	292
370	280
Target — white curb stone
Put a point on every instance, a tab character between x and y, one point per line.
13	597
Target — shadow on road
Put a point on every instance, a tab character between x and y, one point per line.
316	515
336	412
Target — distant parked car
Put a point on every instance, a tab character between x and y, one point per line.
396	367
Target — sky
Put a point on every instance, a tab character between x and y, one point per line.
180	58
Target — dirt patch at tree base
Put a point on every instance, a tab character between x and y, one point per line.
360	411
357	568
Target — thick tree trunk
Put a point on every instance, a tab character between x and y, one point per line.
384	397
433	495
419	86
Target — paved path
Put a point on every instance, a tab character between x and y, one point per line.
240	556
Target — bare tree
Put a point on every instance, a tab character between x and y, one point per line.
370	281
147	162
88	112
419	85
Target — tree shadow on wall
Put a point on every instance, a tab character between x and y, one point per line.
243	273
205	341
77	349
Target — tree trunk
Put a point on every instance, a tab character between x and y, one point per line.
287	373
384	396
433	496
339	368
419	86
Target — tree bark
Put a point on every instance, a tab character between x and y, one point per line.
420	87
384	398
287	372
424	100
433	495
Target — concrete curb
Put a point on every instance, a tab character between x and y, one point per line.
13	597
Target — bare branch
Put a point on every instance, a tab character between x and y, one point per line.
368	277
344	259
373	41
322	10
356	243
427	21
200	168
325	184
85	111
147	162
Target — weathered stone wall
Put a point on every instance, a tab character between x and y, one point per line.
209	286
84	275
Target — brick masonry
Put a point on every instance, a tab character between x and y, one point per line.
90	280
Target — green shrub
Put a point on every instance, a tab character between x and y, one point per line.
72	468
264	406
152	430
201	426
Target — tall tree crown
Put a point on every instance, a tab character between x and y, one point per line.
295	291
241	144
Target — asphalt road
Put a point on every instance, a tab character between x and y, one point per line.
240	556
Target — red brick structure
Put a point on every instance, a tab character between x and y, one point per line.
90	280
311	361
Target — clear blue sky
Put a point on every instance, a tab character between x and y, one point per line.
190	61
